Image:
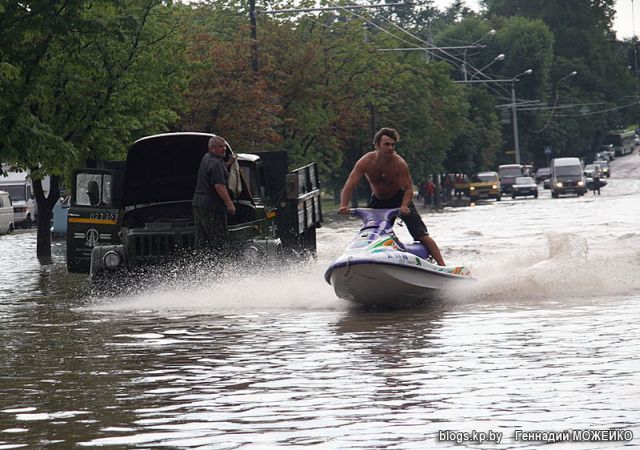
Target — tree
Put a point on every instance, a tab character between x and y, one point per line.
96	75
584	42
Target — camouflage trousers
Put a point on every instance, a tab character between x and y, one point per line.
210	229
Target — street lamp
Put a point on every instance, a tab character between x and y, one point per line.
514	114
472	45
500	57
572	74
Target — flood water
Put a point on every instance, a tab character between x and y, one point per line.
547	340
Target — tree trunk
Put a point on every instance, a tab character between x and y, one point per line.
45	211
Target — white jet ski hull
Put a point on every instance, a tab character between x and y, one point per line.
377	269
371	282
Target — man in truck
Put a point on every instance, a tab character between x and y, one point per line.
211	200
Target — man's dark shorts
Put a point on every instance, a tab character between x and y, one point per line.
414	222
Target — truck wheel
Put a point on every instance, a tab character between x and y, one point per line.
11	228
474	199
513	196
535	195
498	198
554	194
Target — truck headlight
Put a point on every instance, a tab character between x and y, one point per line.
252	253
559	184
472	188
111	259
494	187
580	183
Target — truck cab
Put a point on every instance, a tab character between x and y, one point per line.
145	218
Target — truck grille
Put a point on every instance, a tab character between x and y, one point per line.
154	245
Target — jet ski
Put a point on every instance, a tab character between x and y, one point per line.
378	269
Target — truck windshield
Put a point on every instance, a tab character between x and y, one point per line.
93	189
16	192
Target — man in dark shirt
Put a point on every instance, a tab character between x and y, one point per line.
211	201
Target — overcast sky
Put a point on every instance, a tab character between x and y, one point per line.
623	23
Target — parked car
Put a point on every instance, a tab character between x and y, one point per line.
543	173
7	224
20	188
524	186
484	185
604	167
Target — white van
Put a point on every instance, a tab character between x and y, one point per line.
567	177
6	213
20	189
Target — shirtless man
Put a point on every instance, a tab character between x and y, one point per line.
390	180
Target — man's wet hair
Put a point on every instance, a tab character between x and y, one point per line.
389	132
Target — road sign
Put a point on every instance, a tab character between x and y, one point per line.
547	150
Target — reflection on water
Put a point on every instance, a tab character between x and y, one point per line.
225	359
336	378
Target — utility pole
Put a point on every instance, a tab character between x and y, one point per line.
516	142
514	118
635	47
513	105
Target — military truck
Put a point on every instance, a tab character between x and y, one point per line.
137	213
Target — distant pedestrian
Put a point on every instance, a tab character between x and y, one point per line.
595	184
429	190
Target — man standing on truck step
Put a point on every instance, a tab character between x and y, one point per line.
211	200
392	187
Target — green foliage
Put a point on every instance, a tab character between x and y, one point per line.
594	100
96	76
82	79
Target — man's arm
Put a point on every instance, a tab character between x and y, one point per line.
352	181
221	189
407	186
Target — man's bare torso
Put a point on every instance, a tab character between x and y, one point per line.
385	173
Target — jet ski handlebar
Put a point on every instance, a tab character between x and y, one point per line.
368	215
